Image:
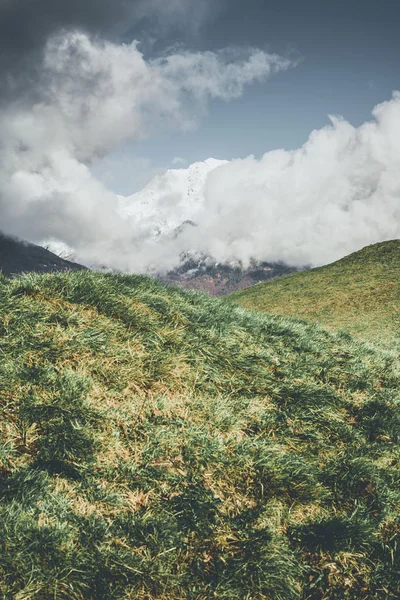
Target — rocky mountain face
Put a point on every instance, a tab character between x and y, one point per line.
219	279
17	256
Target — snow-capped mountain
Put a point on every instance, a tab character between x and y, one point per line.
165	204
174	198
169	199
157	216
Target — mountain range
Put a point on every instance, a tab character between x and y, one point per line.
175	199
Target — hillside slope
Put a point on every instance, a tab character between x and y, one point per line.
17	256
360	293
158	443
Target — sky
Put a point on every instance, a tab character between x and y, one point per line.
348	53
300	98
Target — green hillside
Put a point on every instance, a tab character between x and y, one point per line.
156	443
360	294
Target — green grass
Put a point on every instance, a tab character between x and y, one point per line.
159	444
359	294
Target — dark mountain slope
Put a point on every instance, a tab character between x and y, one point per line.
17	256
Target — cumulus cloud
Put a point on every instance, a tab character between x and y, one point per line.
337	193
311	206
96	94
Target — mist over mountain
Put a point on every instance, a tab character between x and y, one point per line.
309	206
93	95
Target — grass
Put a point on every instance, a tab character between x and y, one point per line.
359	294
159	444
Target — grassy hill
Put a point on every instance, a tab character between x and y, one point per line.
160	444
360	294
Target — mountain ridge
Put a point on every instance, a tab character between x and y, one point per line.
205	275
166	207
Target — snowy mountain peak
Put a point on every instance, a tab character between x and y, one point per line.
171	198
200	168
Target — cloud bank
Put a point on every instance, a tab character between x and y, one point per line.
311	206
336	194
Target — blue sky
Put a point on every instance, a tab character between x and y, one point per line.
348	62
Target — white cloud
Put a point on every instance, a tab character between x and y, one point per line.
97	96
311	206
337	193
222	74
